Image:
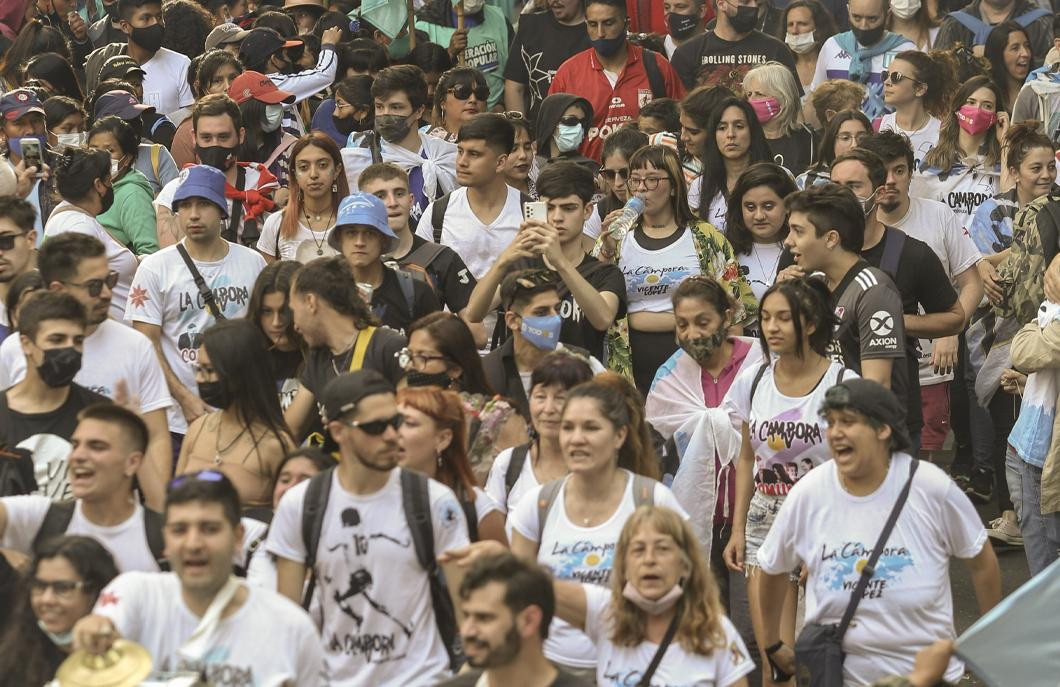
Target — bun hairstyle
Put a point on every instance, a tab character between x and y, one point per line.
77	170
808	299
937	73
621	403
1021	139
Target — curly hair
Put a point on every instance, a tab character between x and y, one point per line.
699	611
622	405
187	26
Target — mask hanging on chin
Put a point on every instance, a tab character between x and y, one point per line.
653	606
606	47
63	641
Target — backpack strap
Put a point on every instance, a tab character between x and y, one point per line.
979	28
408	291
545	498
314	505
415	498
360	348
1031	16
758	378
655	78
204	291
467	504
156	153
55	522
515	467
153	524
893	243
643	491
438	209
424	255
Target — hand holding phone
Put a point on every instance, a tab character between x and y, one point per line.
535	210
32	155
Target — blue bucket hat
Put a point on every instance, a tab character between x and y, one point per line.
202	181
362	209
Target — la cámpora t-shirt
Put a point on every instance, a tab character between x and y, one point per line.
907	605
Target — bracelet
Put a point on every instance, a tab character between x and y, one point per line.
772	649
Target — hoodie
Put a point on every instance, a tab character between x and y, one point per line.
548	116
131	220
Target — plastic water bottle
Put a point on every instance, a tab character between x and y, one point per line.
630	213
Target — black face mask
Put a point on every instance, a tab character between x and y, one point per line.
869	37
218	157
681	26
745	19
393	128
347	125
60	366
107	199
149	37
215	394
442	379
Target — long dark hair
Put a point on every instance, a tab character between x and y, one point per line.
994	51
759	174
275	278
56	70
454	340
239	354
623	406
712	184
77	170
947	153
665	160
210	63
257	144
808	299
34	38
823	24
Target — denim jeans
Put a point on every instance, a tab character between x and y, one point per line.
1041	533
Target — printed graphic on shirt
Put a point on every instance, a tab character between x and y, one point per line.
647	280
49	465
540	79
618	114
841	567
727	69
788	436
583	561
215	667
483	57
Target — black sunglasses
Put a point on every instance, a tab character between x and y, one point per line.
463	91
896	77
377	427
571	120
95	286
609	174
7	241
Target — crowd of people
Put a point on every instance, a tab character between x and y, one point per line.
522	343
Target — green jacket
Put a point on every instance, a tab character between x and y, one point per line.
131	220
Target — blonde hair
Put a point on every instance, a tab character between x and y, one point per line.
699	629
778	81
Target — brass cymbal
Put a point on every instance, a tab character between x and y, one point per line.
126	664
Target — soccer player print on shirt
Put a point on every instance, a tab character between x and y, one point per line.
583	561
841	567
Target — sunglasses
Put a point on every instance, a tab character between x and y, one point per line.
377	427
896	77
571	120
200	476
463	91
610	174
7	241
95	286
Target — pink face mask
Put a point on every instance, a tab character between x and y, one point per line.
975	120
765	108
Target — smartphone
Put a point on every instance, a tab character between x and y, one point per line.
31	154
535	210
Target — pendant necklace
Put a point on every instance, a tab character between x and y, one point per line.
319	244
218	451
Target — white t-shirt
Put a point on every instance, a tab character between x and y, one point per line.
164	294
496	487
267	641
908	603
760	266
922	140
652	274
962	189
113	353
380	629
716	212
126	541
305	246
67	217
477	243
581	554
166	81
624	665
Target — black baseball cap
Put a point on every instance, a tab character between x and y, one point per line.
262	42
342	394
872	400
121	67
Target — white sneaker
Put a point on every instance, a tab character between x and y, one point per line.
1005	531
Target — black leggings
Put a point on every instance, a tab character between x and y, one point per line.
1004	409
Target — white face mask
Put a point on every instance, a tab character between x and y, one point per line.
62	641
473	6
905	9
73	140
800	42
272	119
115	165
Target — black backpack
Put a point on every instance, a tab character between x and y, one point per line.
60	513
417	506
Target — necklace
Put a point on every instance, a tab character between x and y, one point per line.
766	274
348	357
312	232
218	451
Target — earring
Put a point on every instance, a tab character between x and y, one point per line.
439	458
334	188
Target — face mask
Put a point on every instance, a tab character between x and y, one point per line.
975	120
905	9
606	47
702	348
347	125
62	641
568	137
215	394
681	26
765	108
869	37
800	42
745	19
416	378
74	140
60	366
270	121
868	204
542	332
115	165
473	6
653	606
15	144
393	128
218	157
149	37
107	199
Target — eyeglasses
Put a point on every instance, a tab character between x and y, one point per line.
7	241
610	174
200	476
95	286
896	77
340	105
64	589
377	427
571	120
463	91
407	358
649	183
847	137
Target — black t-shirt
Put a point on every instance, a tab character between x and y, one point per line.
577	330
540	46
795	151
287	365
708	60
392	307
452	279
470	679
321	366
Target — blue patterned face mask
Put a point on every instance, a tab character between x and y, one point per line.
568	137
542	332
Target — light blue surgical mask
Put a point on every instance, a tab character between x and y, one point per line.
272	119
63	640
568	137
542	332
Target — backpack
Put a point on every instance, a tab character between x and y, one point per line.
60	513
1022	273
1048	93
765	366
980	29
515	467
416	503
643	495
440	205
655	77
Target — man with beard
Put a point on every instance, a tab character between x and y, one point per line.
364	549
217	126
18	253
508	605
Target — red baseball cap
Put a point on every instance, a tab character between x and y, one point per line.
257	86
